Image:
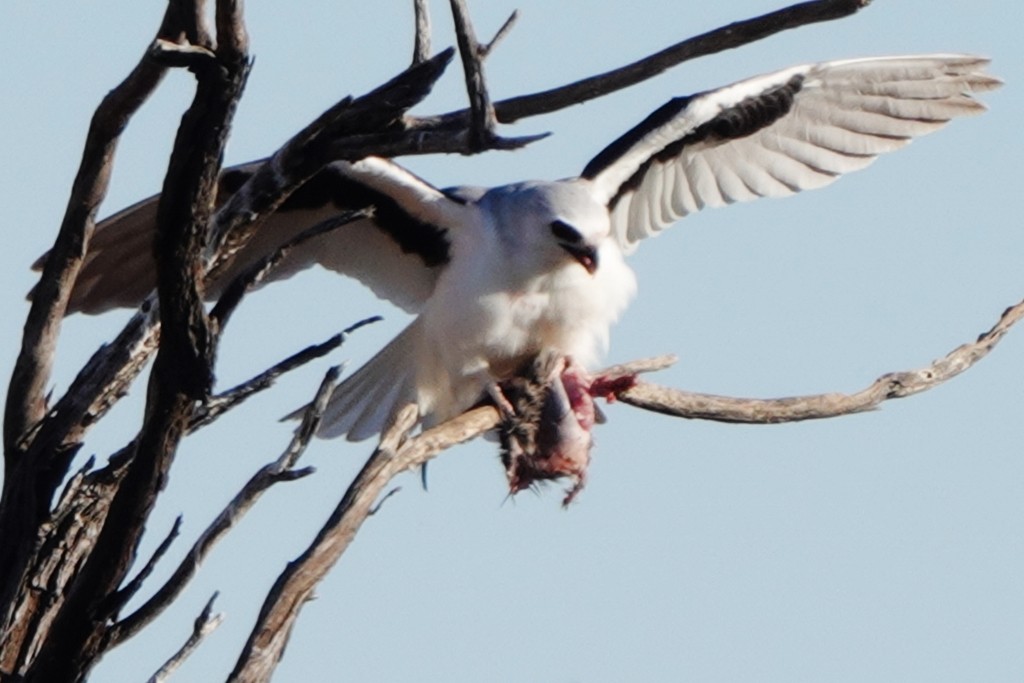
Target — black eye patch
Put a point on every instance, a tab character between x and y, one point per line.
565	232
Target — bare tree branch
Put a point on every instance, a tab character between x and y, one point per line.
217	405
768	411
25	402
397	454
204	625
724	38
309	150
421	45
29	482
221	403
133	586
486	49
280	470
481	119
253	276
293	588
182	372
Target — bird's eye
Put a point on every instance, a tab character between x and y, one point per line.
565	232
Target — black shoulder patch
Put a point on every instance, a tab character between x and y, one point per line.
413	236
331	187
745	118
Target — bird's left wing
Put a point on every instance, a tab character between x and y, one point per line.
777	134
398	252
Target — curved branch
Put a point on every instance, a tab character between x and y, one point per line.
25	402
724	38
769	411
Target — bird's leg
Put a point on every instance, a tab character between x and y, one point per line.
497	396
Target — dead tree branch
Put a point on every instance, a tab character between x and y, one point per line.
725	38
481	119
182	373
29	482
282	469
25	403
397	453
421	44
204	625
769	411
309	150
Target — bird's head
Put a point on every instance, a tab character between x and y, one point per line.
555	223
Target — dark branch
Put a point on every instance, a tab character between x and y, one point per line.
421	46
487	48
308	151
280	470
29	482
253	276
133	586
481	119
25	401
182	373
220	404
725	38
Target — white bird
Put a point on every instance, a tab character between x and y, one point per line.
499	275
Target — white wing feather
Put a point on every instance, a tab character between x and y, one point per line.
843	115
118	270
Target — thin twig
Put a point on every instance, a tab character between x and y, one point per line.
421	46
132	587
481	120
203	626
181	55
221	403
280	470
486	49
218	405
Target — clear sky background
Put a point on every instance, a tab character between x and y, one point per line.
885	546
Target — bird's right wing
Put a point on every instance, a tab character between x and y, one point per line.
776	134
398	253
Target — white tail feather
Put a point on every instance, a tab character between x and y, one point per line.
362	405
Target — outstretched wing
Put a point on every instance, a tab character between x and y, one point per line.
398	253
777	134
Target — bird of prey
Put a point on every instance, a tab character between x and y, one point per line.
498	275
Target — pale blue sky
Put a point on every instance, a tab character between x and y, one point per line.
884	547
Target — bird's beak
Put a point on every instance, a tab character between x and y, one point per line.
585	254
